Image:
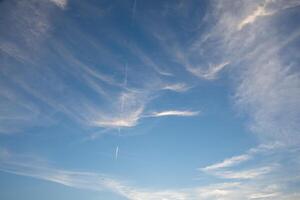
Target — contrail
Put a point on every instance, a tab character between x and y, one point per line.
125	79
133	11
117	152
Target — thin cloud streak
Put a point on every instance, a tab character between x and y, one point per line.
230	169
250	154
117	153
184	113
244	174
178	87
227	162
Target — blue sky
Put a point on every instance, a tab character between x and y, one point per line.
149	100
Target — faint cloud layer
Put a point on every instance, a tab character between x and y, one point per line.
258	186
70	85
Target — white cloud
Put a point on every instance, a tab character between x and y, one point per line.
126	120
210	74
266	80
181	113
267	8
260	11
117	153
263	195
126	111
228	162
269	91
178	87
230	167
252	188
250	154
60	3
244	174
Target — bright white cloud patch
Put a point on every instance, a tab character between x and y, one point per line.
60	3
126	120
260	11
174	113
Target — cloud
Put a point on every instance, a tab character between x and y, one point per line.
209	74
265	77
131	119
250	154
254	187
73	86
269	92
116	152
260	11
244	174
184	113
229	168
126	120
267	8
263	196
263	70
228	162
60	3
178	87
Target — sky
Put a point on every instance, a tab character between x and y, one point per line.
149	100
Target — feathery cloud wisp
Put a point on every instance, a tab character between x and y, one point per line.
259	12
178	87
227	162
250	154
126	120
209	74
181	113
244	174
60	3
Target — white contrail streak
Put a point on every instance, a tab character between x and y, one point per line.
117	153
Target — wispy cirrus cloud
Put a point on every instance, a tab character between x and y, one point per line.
60	3
250	154
260	188
266	87
208	74
266	8
101	101
244	174
228	162
181	113
229	168
126	120
132	119
260	11
265	79
177	87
